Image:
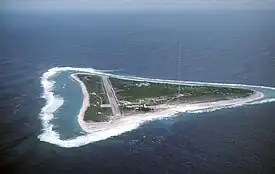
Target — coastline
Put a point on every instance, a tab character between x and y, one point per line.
163	110
85	103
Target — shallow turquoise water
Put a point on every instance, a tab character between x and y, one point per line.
65	124
65	119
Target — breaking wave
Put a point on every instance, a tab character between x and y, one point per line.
54	102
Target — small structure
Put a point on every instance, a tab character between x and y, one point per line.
144	108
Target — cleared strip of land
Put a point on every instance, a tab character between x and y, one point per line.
103	103
111	96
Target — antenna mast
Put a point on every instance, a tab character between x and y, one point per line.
179	64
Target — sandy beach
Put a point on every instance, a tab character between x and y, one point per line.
85	103
163	110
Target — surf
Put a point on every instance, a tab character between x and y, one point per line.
106	130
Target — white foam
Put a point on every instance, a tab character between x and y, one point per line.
232	106
263	101
103	131
213	109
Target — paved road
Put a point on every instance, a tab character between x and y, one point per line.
111	96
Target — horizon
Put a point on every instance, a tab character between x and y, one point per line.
131	5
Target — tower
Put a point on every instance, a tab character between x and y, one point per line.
179	65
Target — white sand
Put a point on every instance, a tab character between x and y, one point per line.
85	103
162	111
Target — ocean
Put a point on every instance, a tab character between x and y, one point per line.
216	46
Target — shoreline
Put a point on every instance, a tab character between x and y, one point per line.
85	103
164	110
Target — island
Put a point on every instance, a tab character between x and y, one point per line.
108	98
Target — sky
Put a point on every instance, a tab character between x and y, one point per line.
40	5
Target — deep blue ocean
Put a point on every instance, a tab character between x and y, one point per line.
216	46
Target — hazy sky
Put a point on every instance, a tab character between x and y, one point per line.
133	4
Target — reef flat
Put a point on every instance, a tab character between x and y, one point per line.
112	104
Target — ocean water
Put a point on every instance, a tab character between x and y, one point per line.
217	46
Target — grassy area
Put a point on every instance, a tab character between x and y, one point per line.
135	96
157	93
97	97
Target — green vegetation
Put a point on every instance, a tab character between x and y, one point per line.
141	96
130	92
95	112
